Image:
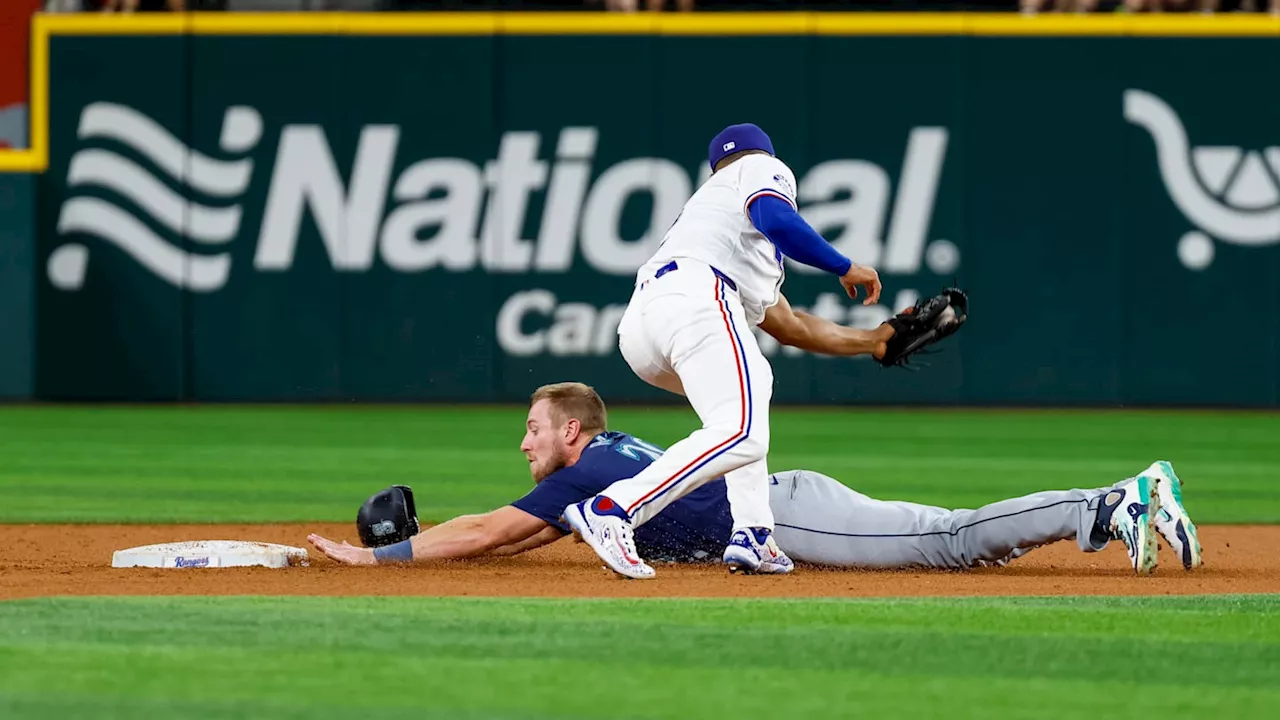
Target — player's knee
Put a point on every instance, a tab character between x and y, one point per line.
751	445
754	447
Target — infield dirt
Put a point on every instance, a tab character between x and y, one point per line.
45	560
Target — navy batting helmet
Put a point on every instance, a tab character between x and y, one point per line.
388	517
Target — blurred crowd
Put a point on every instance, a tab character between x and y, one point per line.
1023	6
1150	6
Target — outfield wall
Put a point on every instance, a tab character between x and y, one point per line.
17	286
440	207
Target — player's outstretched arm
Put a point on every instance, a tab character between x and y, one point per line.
815	334
548	535
778	220
465	536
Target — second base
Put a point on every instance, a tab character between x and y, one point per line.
210	554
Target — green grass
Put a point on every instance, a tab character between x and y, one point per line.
391	658
227	464
459	658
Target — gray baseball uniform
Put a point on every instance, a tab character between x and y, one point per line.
818	520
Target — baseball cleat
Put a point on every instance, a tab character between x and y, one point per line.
600	523
1127	513
753	550
1172	521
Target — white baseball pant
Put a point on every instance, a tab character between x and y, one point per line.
685	331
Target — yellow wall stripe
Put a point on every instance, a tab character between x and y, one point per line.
781	23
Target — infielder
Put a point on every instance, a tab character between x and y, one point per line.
686	329
572	456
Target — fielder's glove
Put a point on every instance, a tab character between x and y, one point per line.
924	324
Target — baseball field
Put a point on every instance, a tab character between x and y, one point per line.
1057	633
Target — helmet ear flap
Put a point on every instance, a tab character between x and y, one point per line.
411	510
389	517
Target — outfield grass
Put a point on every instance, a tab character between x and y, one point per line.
232	464
402	658
390	658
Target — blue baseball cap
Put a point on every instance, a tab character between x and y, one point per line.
736	138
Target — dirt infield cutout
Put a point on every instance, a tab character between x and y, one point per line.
46	560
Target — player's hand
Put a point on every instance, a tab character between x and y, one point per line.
861	276
346	553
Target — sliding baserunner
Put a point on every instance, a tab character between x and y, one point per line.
572	455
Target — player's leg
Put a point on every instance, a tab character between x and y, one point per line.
692	325
752	547
705	340
820	520
1008	528
748	491
748	485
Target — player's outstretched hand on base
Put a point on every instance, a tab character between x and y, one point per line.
346	553
864	277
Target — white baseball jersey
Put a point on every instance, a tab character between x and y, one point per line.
714	227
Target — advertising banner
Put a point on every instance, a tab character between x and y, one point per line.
259	216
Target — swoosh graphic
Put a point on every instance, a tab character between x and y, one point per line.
126	125
198	222
180	269
1173	156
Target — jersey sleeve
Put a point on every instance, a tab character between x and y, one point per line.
548	499
765	175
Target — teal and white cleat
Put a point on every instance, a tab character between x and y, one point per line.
1172	521
1126	513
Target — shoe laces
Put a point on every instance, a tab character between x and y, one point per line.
628	537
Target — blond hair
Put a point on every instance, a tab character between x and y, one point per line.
574	400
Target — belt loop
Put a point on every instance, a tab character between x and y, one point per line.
732	285
672	267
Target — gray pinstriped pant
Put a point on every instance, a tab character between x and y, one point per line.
820	521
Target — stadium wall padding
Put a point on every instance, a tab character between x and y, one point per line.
17	291
292	217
